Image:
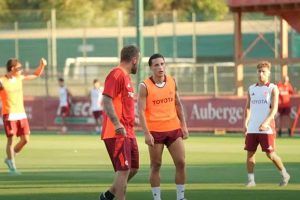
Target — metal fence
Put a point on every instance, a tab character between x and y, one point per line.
208	47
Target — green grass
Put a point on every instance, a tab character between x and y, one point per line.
77	167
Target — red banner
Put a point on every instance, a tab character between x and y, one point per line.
202	113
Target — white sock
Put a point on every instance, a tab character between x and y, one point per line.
156	193
180	192
251	177
283	172
11	164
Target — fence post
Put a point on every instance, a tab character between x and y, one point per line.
120	32
174	35
155	39
216	80
16	26
140	38
194	38
205	74
48	58
84	54
53	42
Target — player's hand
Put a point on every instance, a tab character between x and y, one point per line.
120	130
149	140
264	127
185	132
43	62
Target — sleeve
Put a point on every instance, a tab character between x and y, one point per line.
113	84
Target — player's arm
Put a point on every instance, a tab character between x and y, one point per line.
180	114
247	113
39	70
141	111
1	86
111	113
273	110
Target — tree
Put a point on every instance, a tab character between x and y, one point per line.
205	9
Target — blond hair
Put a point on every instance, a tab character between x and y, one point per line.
263	64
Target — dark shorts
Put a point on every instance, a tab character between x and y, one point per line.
97	114
123	152
64	111
284	110
266	141
166	138
17	127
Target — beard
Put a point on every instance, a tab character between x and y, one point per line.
134	68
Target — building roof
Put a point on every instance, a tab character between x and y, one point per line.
287	9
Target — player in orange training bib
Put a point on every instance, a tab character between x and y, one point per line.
163	123
14	117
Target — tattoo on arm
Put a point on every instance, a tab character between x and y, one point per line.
109	109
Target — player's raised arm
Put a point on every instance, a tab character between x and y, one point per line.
141	110
38	71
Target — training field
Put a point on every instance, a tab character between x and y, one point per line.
76	167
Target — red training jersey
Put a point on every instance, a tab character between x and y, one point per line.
119	87
285	92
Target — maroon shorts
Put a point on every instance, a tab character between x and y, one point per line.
266	141
123	152
64	111
284	110
97	114
17	127
167	137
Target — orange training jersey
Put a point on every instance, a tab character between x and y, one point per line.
12	95
161	115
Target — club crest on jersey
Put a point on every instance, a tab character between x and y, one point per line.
253	94
131	94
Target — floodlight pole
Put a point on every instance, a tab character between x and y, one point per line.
139	8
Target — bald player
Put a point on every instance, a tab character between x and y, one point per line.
261	108
14	116
163	123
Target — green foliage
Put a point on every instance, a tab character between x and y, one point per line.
88	13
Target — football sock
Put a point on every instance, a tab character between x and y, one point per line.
283	172
251	177
156	193
180	192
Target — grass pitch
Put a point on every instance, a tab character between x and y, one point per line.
77	167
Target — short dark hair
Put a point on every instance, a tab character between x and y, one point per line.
154	56
12	62
95	80
61	80
128	52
